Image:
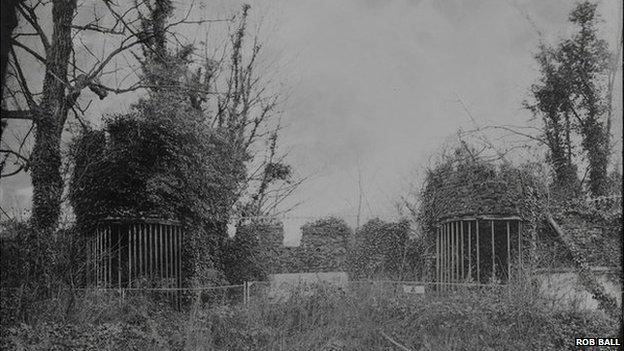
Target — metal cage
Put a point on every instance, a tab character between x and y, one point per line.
136	254
478	250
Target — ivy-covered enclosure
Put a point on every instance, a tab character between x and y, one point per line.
164	177
479	218
130	253
478	249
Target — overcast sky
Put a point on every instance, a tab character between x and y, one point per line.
375	87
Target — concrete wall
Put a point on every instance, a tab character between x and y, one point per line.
563	286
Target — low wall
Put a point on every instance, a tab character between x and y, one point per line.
563	286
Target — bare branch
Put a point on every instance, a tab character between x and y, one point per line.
97	28
17	115
16	154
22	81
30	16
29	50
6	175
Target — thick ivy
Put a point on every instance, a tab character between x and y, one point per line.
382	250
463	184
324	244
160	160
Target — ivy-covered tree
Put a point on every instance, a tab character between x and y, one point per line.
573	99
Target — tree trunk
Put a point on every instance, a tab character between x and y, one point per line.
8	21
46	156
50	120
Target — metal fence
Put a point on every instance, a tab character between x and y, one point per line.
249	293
478	250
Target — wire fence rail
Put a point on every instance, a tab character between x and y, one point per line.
262	291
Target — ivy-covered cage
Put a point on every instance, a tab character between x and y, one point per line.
478	249
480	219
131	254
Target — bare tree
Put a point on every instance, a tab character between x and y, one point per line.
78	48
237	98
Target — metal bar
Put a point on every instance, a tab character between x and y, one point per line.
89	259
129	257
441	254
151	250
179	252
448	257
139	229
169	260
145	231
519	247
109	250
163	256
444	256
96	264
171	281
508	253
453	258
175	260
104	257
110	266
481	218
168	256
107	256
119	257
160	252
478	256
469	251
438	254
95	258
451	254
146	249
461	235
87	249
493	260
448	254
455	253
100	256
136	242
96	247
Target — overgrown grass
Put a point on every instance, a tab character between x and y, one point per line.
513	318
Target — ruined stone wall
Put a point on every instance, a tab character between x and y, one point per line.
323	246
